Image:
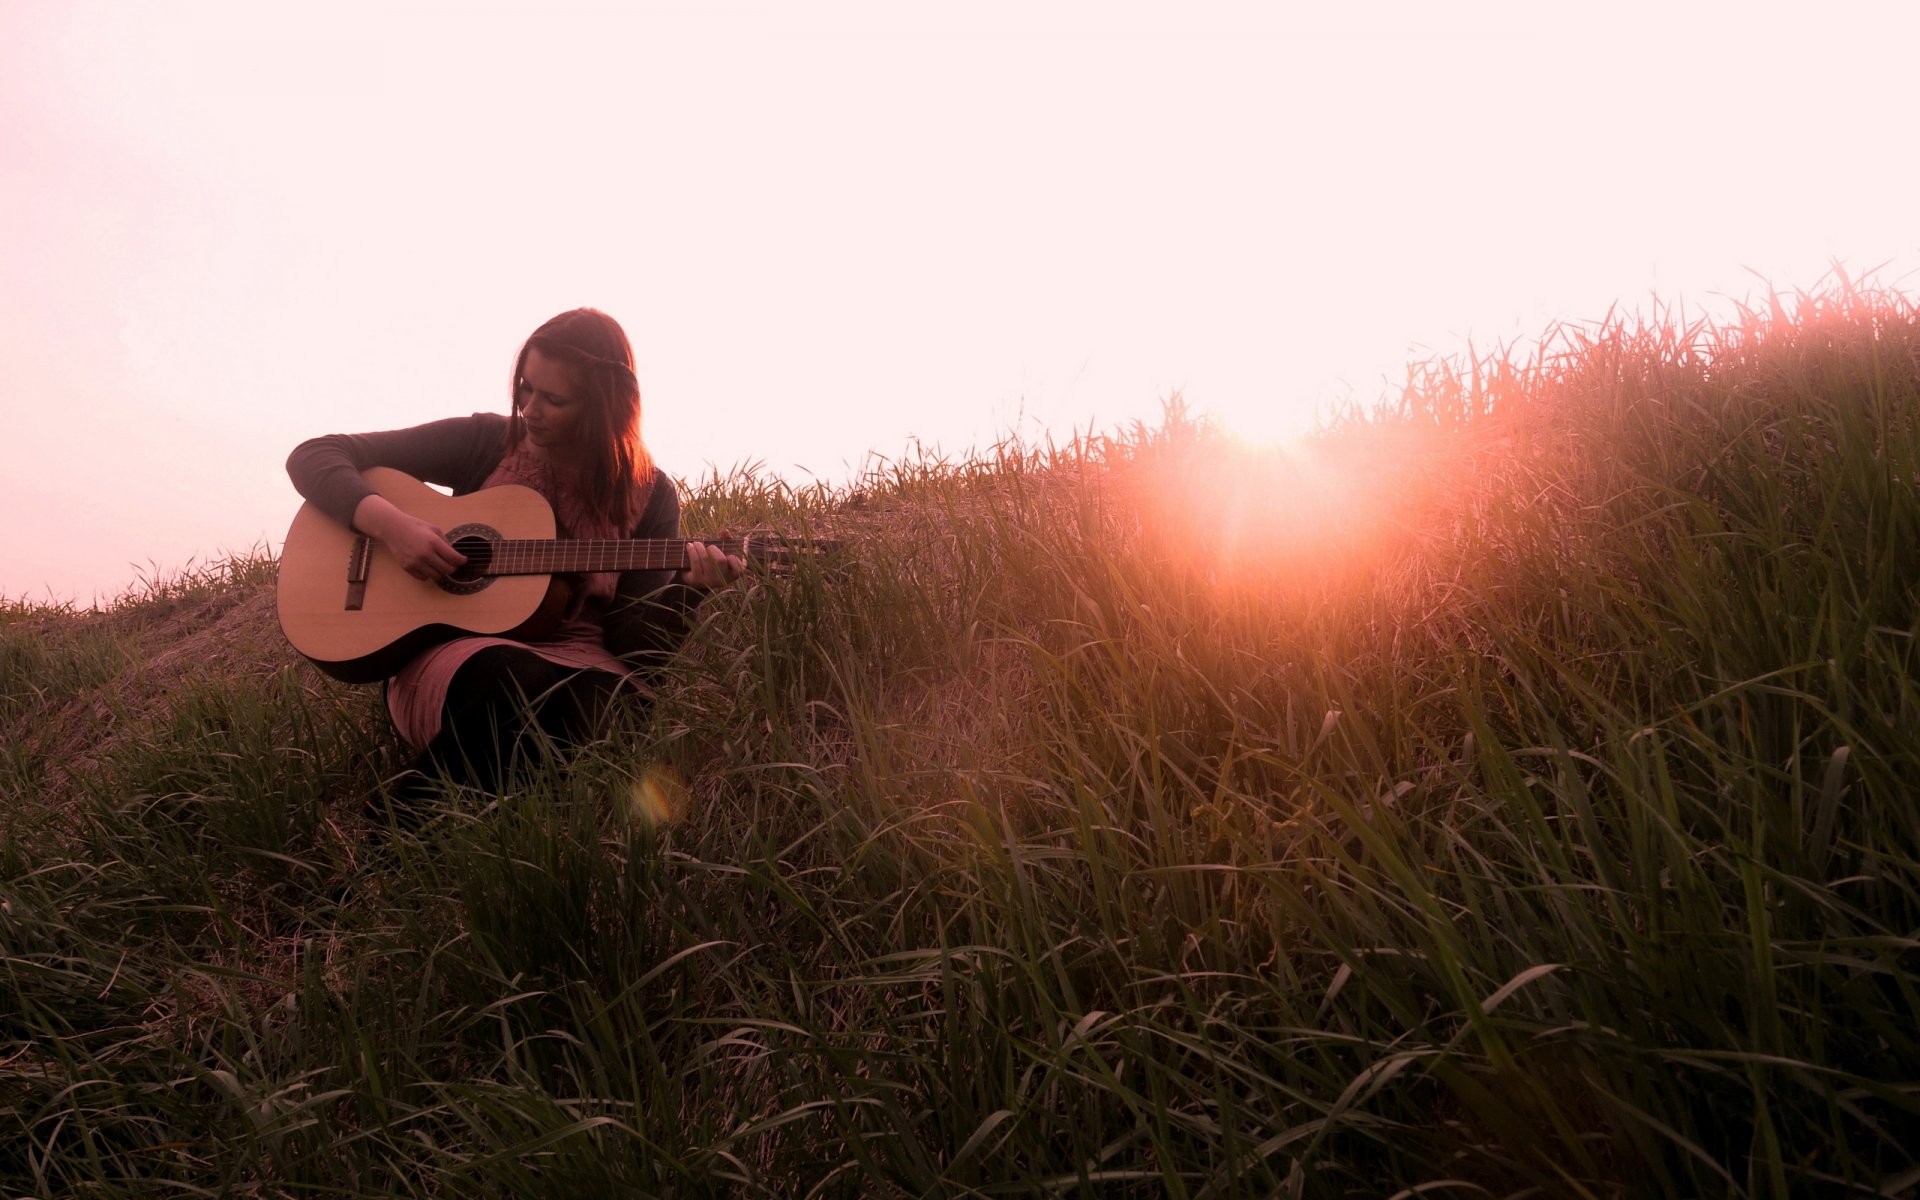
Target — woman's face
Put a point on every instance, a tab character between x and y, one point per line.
551	397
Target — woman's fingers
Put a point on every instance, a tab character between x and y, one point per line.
699	565
710	567
424	552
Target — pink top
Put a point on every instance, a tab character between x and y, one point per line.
416	696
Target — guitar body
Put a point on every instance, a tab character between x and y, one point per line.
365	630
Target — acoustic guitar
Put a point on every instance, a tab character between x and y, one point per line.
347	604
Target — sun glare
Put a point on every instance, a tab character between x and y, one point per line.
1299	513
1260	426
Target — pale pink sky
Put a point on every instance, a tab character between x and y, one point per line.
833	228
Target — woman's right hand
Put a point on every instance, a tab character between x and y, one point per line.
421	550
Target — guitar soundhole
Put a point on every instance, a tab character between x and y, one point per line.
476	542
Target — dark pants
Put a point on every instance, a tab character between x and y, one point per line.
506	705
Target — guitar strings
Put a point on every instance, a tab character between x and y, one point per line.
519	556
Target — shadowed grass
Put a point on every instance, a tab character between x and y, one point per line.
1503	792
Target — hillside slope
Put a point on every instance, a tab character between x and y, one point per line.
1508	790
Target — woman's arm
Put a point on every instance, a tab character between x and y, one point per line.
652	610
457	452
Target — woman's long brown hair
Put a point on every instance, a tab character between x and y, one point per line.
615	460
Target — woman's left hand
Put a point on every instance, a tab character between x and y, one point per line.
710	567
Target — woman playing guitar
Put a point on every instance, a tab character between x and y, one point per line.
472	704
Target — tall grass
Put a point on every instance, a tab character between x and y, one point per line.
1507	791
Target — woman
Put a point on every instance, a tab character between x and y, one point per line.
573	435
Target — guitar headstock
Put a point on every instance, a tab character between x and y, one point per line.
780	552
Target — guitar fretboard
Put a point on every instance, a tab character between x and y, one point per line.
512	556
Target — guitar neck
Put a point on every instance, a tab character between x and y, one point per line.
520	556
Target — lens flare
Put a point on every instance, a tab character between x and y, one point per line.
657	798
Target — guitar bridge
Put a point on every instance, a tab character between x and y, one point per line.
358	563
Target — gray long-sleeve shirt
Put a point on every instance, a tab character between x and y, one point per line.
649	615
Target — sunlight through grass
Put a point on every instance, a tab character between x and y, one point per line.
1505	791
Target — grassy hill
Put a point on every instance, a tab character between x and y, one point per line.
1511	791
